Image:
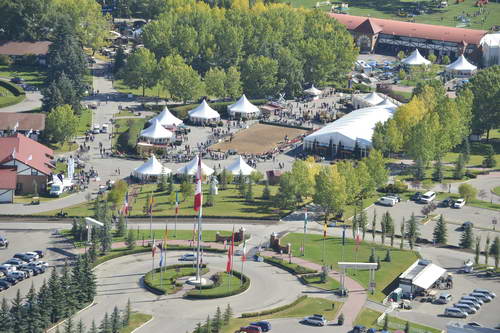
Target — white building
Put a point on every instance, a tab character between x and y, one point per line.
420	276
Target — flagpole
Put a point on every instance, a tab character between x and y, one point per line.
231	260
243	258
153	261
305	231
198	277
324	240
151	217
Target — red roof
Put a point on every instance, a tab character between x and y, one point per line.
418	30
368	27
27	151
12	48
8	178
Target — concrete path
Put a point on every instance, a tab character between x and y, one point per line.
32	101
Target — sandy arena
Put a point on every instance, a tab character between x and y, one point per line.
258	139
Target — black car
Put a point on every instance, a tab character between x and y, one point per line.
17	80
263	324
448	202
4	284
10	280
359	329
417	196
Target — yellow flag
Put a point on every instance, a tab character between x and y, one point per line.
324	230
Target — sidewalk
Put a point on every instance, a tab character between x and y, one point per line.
357	293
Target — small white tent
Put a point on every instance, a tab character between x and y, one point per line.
240	166
415	58
192	167
166	119
313	91
155	134
461	67
243	107
151	168
365	101
203	113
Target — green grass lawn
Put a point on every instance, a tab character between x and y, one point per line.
32	75
315	281
227	203
389	9
149	92
388	272
136	319
496	190
368	318
166	280
228	283
7	98
475	160
307	307
84	122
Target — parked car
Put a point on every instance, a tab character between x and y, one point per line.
466	225
485	291
96	129
251	329
359	329
448	202
11	280
454	312
459	203
474	324
443	298
42	263
473	304
29	271
315	321
483	297
428	197
24	257
388	201
263	324
40	253
19	275
188	257
473	299
395	196
7	268
31	255
15	262
416	196
4	284
465	308
4	242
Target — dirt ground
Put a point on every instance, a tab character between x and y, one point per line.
258	139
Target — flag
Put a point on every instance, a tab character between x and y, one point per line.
198	196
161	254
125	205
164	248
305	222
244	258
151	204
358	239
30	157
176	203
324	230
14	154
16	126
228	264
153	248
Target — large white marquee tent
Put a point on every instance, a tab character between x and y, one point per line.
415	58
151	168
240	166
461	67
356	126
203	113
166	119
155	134
192	167
244	108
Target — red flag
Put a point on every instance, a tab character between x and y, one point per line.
358	239
228	265
198	194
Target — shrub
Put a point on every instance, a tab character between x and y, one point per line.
5	60
397	187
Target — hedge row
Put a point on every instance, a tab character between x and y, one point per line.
194	294
291	268
274	310
15	90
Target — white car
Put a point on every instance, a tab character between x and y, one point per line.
459	203
188	257
18	275
41	263
96	129
314	320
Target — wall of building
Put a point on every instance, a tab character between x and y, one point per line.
6	196
25	184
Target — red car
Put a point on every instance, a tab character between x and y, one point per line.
251	329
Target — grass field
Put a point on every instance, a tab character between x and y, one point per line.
389	9
496	190
7	98
315	281
387	273
32	75
136	319
368	318
307	307
166	280
258	139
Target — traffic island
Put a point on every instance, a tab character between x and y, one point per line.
224	285
165	280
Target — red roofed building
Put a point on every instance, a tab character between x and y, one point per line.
372	33
31	160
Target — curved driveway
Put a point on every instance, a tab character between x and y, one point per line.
119	280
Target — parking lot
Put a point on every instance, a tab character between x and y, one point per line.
21	241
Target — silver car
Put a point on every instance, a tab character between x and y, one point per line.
465	308
314	320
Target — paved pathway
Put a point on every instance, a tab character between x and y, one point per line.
32	101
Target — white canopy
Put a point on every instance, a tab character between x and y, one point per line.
166	119
243	105
415	58
461	65
356	126
373	98
204	112
152	167
313	91
386	103
192	167
156	131
240	166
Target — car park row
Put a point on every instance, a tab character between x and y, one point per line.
21	267
424	198
470	304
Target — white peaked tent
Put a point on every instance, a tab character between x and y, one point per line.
365	101
192	167
155	134
243	107
461	67
415	58
240	166
166	119
151	168
203	113
313	91
387	103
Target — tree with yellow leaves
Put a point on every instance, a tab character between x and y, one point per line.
330	191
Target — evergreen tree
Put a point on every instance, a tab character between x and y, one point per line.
130	241
440	232
5	317
383	225
198	328
407	327
466	150
89	283
489	158
68	301
106	237
266	193
388	257
242	185
170	184
121	230
413	231
55	295
379	264
93	327
363	222
467	238
126	314
374	225
68	325
495	251
208	325
17	313
92	253
77	281
228	314
386	323
105	326
402	230
119	61
372	257
42	300
393	235
217	321
249	192
459	171
80	328
115	321
438	175
487	249
209	200
162	182
33	319
477	250
419	169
